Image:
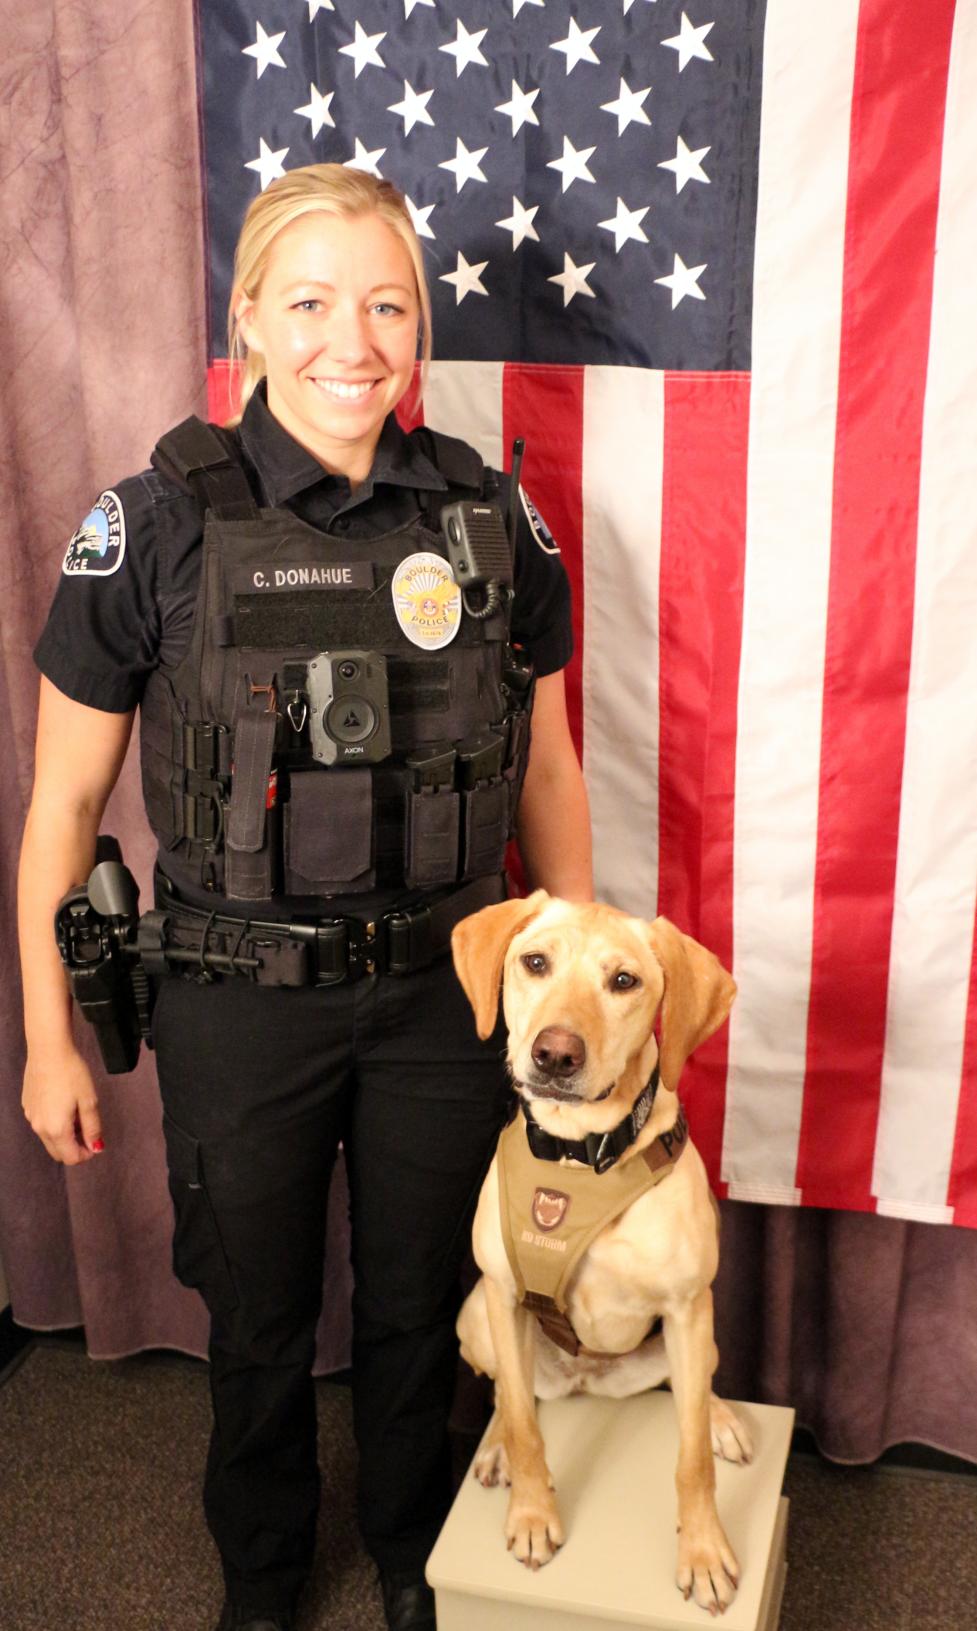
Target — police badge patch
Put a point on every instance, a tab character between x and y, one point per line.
97	548
427	600
538	527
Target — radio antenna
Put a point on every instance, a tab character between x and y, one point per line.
518	449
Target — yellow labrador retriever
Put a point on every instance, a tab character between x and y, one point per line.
583	986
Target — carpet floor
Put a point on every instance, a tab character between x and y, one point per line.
101	1530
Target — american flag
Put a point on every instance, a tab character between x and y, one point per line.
716	263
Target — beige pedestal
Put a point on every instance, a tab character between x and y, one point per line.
613	1463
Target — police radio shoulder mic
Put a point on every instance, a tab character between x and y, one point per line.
479	554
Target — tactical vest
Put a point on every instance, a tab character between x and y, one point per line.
551	1213
248	745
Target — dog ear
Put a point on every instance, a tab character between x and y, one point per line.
698	995
479	944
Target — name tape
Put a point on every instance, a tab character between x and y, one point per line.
271	578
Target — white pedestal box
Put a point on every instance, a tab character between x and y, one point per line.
613	1463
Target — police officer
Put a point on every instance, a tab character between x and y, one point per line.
364	796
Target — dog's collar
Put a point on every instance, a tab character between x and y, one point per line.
597	1150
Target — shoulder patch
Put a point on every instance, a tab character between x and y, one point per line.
98	547
537	526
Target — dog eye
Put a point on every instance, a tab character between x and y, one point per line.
535	963
623	981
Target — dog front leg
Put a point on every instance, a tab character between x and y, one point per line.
707	1567
532	1528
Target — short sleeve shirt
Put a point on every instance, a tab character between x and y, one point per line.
126	597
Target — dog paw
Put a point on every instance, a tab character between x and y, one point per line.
731	1440
491	1466
533	1531
707	1569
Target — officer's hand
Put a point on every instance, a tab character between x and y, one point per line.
61	1105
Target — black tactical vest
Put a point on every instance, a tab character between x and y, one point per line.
305	746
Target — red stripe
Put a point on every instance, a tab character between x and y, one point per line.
545	405
962	1191
222	400
901	63
410	408
700	623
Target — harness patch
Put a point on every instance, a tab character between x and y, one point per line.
99	545
427	600
549	1208
270	577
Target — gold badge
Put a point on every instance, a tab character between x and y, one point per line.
427	600
549	1208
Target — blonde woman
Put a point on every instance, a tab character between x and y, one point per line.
333	742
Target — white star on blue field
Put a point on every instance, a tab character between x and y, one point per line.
583	167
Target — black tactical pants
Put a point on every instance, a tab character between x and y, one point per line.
259	1086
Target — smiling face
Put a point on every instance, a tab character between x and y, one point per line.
581	991
335	320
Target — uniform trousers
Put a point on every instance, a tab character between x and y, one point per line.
259	1086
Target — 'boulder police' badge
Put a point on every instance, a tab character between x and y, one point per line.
97	548
427	600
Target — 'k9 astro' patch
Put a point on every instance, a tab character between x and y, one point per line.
97	548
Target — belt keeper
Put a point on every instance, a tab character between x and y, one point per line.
151	937
408	941
332	953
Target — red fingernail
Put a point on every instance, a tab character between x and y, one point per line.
98	1145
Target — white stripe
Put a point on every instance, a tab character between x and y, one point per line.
808	68
465	399
914	1213
936	873
764	1194
623	417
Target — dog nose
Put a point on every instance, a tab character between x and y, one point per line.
557	1052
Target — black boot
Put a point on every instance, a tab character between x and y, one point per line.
408	1601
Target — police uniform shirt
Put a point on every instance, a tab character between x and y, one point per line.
132	606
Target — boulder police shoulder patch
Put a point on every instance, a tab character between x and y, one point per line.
98	547
537	526
427	600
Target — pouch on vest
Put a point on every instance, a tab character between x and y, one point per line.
431	828
486	828
251	830
431	838
485	803
329	833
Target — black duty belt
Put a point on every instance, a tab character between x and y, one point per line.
178	938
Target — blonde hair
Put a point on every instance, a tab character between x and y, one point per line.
328	189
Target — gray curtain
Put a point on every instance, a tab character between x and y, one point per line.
868	1326
103	336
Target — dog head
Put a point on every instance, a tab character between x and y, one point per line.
582	987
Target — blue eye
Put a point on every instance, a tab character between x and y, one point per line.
306	305
384	306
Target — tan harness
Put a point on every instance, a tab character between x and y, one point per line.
550	1214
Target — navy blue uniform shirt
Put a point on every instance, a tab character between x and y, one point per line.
111	624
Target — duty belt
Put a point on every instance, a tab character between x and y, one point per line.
178	938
